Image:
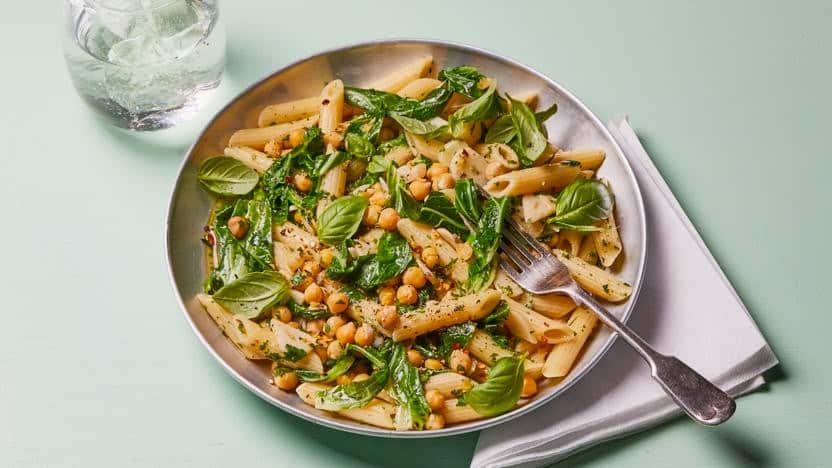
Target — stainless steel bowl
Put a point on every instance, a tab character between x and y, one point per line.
574	126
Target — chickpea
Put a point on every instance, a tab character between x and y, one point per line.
333	138
494	169
360	377
460	361
238	226
435	421
433	364
386	133
388	219
313	327
273	148
430	257
371	215
415	358
343	380
304	283
303	182
435	399
283	314
420	189
393	282
296	137
313	293
529	387
387	317
321	352
464	251
414	277
365	335
312	268
387	296
286	381
346	333
417	171
294	325
445	181
326	257
378	198
334	349
332	324
337	302
436	170
407	294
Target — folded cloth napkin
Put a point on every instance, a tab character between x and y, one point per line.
686	308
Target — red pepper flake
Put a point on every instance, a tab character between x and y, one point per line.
457	346
288	179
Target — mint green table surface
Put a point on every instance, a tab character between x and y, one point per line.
99	368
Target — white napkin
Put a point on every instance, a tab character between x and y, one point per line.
686	308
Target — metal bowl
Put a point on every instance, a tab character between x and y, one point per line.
574	126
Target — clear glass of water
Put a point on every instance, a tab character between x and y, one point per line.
144	64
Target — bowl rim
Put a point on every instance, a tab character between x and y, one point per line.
364	429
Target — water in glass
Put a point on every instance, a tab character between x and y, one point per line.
144	64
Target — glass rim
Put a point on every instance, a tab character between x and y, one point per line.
101	5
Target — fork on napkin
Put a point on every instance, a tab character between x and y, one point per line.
684	290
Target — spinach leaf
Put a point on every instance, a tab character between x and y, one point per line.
407	391
439	211
402	201
466	200
464	80
232	260
353	292
343	266
356	394
530	142
324	165
378	164
484	107
227	177
501	389
308	313
258	240
582	203
371	100
495	319
430	106
367	126
359	145
501	131
388	145
394	255
485	242
341	367
377	357
455	337
341	218
277	181
253	294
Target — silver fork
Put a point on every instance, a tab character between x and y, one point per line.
540	272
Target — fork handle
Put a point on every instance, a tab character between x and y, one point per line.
702	400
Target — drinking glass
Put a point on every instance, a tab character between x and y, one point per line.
144	64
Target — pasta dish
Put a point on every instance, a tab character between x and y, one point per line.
354	247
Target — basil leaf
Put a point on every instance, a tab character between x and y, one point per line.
582	203
341	367
501	389
464	80
308	313
376	357
485	242
227	177
394	255
407	391
501	131
418	127
439	211
455	337
371	100
401	200
378	165
484	107
544	115
341	218
466	200
430	106
253	294
530	140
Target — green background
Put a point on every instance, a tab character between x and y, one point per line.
99	368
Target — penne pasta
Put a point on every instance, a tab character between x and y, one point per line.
449	384
297	239
445	313
455	412
252	339
550	305
570	241
588	159
485	349
404	75
532	180
506	285
563	355
258	137
288	111
606	241
595	280
419	88
430	149
365	311
259	161
286	259
533	327
377	413
422	236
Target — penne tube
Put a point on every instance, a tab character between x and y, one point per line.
563	355
288	111
597	281
550	305
499	153
506	285
422	235
449	384
590	159
286	260
364	311
454	412
607	243
419	88
403	76
533	327
533	367
570	241
297	239
252	339
257	137
400	155
377	413
537	207
430	149
331	104
532	180
466	163
260	162
445	313
485	349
